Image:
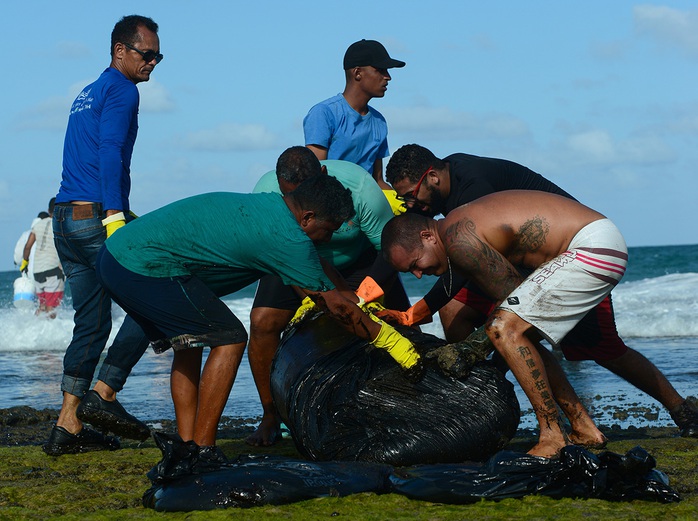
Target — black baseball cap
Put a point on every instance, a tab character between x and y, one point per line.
369	53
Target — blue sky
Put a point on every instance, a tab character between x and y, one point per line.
598	96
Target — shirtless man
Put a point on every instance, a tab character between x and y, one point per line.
577	257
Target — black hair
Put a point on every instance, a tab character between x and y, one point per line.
43	215
296	164
405	231
51	204
411	161
325	196
126	30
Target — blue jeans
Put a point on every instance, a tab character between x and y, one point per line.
79	235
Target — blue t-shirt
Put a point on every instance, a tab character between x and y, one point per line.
364	230
346	134
102	129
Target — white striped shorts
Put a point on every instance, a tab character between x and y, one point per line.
557	295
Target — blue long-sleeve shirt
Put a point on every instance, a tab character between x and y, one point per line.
99	140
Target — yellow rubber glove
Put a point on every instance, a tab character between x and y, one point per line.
416	315
306	307
372	307
368	291
114	222
113	226
24	266
397	346
396	205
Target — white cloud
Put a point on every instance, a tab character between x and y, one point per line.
50	114
445	123
231	136
72	50
155	97
669	26
599	148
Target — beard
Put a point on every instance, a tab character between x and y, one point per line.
436	205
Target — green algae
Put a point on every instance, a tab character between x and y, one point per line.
110	485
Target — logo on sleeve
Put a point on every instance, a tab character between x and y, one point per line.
513	301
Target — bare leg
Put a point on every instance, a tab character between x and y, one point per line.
584	430
459	320
216	382
67	418
507	332
643	374
106	392
184	386
266	325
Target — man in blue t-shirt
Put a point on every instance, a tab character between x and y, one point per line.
345	126
92	203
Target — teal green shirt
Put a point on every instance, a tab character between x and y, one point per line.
227	240
364	229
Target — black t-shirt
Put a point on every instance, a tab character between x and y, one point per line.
473	177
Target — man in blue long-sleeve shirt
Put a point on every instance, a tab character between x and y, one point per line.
92	203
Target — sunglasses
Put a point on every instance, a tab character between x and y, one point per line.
147	56
412	198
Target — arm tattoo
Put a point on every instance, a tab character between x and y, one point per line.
477	259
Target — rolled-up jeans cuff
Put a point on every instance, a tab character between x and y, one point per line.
75	386
113	376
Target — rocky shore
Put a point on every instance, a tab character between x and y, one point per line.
24	426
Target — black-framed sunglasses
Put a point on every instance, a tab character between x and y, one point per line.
412	197
147	56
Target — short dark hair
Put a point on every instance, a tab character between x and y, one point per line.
411	161
51	204
126	30
296	164
43	215
405	231
325	196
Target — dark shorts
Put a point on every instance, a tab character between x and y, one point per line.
595	337
474	298
273	293
181	310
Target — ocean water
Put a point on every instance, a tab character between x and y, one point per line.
656	311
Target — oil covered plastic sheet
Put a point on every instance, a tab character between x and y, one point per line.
268	480
343	400
577	473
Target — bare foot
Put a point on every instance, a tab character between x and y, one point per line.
547	449
268	433
588	441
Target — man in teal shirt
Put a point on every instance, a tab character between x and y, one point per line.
352	251
168	269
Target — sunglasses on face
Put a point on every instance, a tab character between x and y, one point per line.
412	197
147	56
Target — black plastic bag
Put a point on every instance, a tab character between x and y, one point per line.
577	473
343	400
269	480
266	480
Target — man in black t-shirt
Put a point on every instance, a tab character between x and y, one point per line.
433	186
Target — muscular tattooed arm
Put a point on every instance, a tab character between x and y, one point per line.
488	268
